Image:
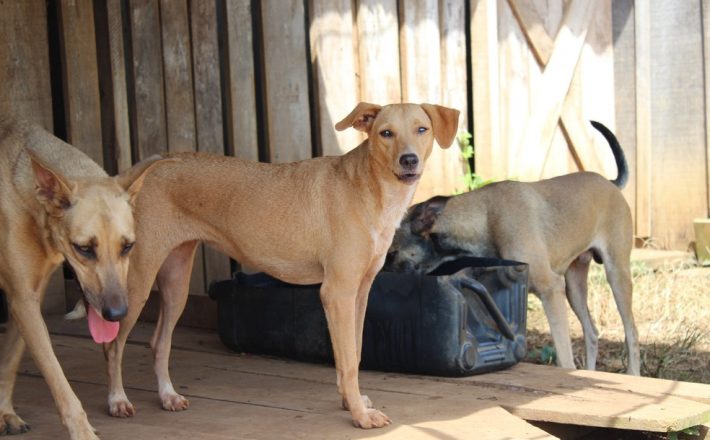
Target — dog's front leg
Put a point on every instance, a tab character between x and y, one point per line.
10	358
25	309
339	301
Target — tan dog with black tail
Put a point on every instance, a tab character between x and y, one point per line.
57	204
556	226
329	220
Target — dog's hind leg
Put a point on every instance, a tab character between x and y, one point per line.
577	294
173	284
618	274
10	358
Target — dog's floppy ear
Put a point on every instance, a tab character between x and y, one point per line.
53	190
132	179
423	216
360	118
445	122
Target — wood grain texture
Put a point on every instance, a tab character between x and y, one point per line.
642	19
82	106
177	65
677	136
24	62
489	159
534	147
378	49
208	109
625	90
706	69
148	124
286	76
241	101
334	72
111	56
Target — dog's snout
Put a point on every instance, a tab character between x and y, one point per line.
114	310
409	160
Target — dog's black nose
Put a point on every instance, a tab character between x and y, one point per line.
409	160
115	313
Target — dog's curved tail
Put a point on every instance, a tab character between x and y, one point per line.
622	167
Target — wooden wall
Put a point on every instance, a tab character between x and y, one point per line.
543	68
266	80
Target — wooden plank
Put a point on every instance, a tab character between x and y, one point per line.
180	98
549	97
229	401
26	91
484	60
208	109
575	127
241	101
82	104
334	72
148	116
378	49
625	89
706	69
519	72
678	137
177	65
286	75
644	188
111	57
24	62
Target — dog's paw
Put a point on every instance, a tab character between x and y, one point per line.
12	424
121	408
371	418
83	431
175	402
365	401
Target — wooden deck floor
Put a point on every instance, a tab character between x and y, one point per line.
250	397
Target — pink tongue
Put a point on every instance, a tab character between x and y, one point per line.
101	330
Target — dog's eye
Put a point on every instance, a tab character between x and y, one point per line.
86	251
421	130
126	248
386	133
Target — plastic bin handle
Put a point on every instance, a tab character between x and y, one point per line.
480	290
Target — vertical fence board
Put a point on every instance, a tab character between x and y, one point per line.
489	159
625	88
177	65
334	72
81	77
24	62
677	137
25	91
112	83
642	20
378	51
208	107
241	101
179	98
286	76
706	64
149	131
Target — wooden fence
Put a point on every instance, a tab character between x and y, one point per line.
266	80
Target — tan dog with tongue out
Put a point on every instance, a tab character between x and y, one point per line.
57	204
342	213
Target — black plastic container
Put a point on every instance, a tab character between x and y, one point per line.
466	317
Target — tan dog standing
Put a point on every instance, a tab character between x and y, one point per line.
70	210
557	226
329	220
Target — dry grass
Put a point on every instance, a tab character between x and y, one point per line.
672	312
